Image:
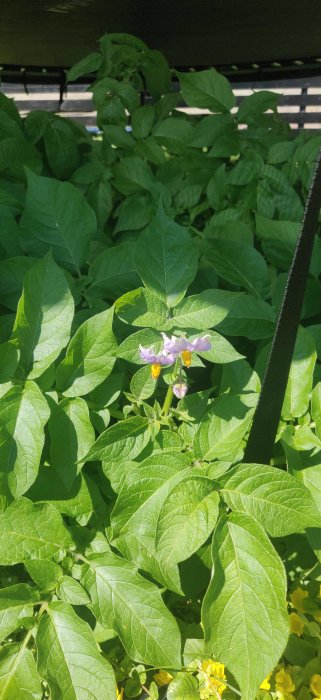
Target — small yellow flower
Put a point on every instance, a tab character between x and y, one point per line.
296	624
212	677
266	685
297	598
283	681
162	678
187	357
119	693
315	685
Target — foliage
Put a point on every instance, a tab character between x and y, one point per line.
135	547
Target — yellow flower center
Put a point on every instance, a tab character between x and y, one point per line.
155	371
187	358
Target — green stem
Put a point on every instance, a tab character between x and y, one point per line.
168	401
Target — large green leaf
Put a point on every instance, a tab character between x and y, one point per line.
183	687
142	308
250	317
124	440
244	610
166	258
90	356
186	518
44	316
71	436
222	429
69	657
57	216
79	501
31	531
24	412
299	386
278	501
133	607
19	679
113	272
207	89
15	602
135	516
12	272
240	264
204	310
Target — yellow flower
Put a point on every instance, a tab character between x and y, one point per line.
315	685
162	678
119	694
297	598
266	685
284	682
296	624
212	677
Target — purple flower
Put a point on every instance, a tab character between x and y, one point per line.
177	345
156	358
180	389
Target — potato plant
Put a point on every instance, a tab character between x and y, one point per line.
141	272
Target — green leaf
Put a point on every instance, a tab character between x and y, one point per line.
299	386
89	357
12	272
142	121
16	602
19	679
240	264
113	272
61	147
9	358
250	317
256	104
45	573
175	134
71	436
69	657
187	518
142	308
221	352
86	65
44	316
183	687
244	610
129	348
278	501
135	516
71	591
142	385
124	440
222	429
279	239
207	89
57	216
132	175
133	607
166	258
23	414
31	531
134	213
204	310
156	72
79	501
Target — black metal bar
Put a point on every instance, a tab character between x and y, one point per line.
267	415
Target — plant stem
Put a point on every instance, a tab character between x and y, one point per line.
168	401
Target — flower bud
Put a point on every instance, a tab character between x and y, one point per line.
180	389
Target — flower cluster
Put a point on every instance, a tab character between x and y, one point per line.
174	349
